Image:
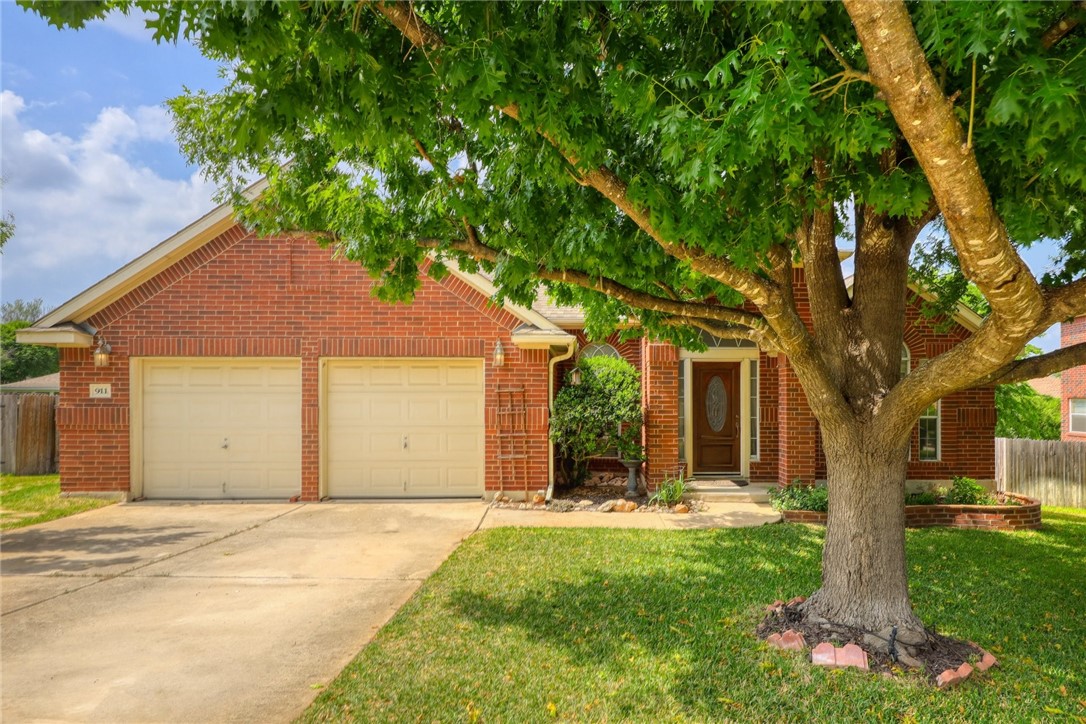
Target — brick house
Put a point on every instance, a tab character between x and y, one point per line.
1073	384
245	367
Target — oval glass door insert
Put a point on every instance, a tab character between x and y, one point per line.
716	404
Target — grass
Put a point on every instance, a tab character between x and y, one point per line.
30	499
524	625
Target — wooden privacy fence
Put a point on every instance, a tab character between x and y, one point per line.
1054	472
28	434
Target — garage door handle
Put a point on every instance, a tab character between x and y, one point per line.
405	442
225	443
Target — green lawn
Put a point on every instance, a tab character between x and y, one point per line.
29	499
525	625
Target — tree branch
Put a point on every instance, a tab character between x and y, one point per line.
690	311
1033	367
1062	27
926	119
602	179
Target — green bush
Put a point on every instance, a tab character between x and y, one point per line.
601	413
926	498
967	491
800	497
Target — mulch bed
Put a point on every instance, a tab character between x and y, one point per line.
599	488
940	653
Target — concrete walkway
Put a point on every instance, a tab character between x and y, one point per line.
228	612
719	515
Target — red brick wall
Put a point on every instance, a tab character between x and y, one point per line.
282	297
660	391
1073	380
764	469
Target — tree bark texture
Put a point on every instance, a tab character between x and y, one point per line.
864	574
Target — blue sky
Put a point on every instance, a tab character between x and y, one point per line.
91	171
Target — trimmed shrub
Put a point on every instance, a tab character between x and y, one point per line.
600	414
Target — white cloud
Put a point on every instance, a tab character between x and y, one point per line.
83	206
133	25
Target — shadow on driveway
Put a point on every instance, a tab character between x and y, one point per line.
43	551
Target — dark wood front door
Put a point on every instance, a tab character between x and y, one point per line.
717	438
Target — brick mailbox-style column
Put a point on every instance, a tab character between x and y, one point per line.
797	430
660	393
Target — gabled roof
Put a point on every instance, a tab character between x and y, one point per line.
66	325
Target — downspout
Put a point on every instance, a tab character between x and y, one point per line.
571	349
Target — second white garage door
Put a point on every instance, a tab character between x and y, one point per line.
404	428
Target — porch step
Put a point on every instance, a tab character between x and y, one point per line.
725	491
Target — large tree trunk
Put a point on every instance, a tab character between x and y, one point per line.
864	576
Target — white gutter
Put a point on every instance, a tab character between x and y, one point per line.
571	349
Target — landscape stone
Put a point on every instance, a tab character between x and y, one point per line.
852	655
682	508
796	601
965	670
608	506
947	678
824	655
792	641
539	499
987	661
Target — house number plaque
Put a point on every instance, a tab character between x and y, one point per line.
101	391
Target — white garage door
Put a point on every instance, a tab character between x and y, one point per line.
222	429
404	428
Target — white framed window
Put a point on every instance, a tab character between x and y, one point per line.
906	360
599	349
931	433
753	409
1078	415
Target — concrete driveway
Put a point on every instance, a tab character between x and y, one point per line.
217	612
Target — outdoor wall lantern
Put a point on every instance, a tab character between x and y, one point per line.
101	355
499	354
575	376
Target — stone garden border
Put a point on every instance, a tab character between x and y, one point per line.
1026	515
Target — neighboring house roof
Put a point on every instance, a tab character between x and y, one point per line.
1047	386
45	383
65	326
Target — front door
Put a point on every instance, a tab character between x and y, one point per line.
717	438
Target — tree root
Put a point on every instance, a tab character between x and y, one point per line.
891	650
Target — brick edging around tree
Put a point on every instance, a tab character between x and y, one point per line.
1027	515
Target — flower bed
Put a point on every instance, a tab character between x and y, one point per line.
1022	513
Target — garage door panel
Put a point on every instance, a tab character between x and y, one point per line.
425	410
437	404
204	377
424	375
190	408
384	375
465	376
465	442
468	411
